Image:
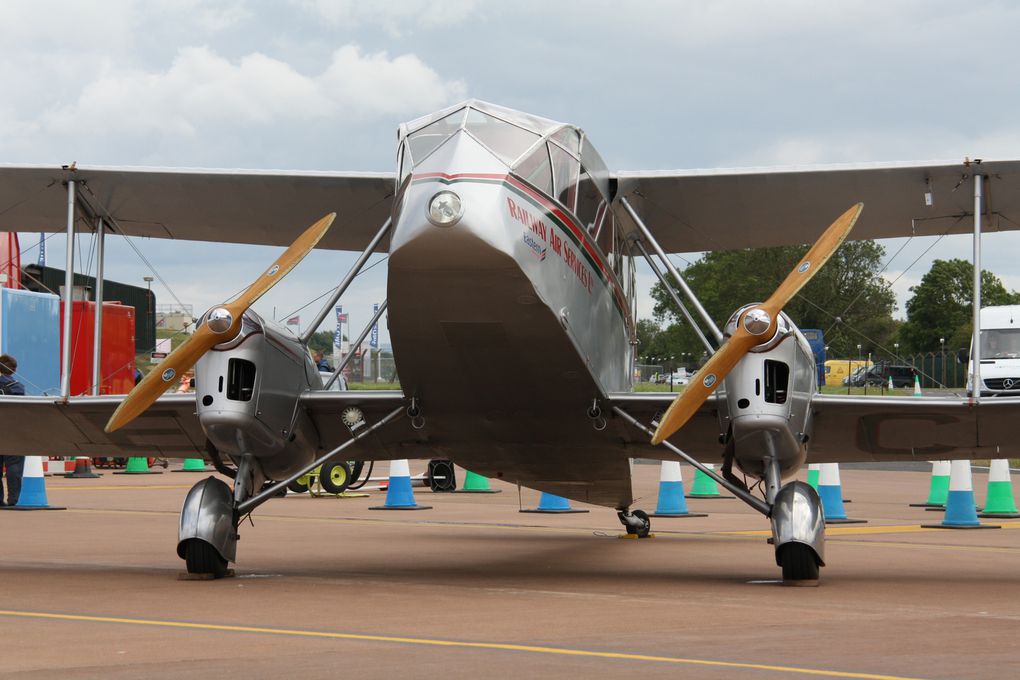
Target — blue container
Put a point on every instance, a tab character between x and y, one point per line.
30	332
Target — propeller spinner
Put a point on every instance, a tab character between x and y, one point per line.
755	326
222	324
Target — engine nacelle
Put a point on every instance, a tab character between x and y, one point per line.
247	392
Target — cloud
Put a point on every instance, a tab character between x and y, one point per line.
396	18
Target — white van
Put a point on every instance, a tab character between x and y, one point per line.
1000	352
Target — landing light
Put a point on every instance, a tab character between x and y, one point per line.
445	209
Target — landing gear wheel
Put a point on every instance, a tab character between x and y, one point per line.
356	470
799	564
645	529
335	477
202	558
297	486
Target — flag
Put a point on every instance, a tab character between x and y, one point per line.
294	320
338	335
374	337
42	251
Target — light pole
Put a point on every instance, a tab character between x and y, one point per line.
942	354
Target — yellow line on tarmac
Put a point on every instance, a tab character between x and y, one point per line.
116	488
861	531
559	651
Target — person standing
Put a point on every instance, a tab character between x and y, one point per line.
14	465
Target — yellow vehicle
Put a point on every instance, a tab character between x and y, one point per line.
838	369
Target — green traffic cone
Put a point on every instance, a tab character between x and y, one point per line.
474	483
138	466
999	499
704	486
193	465
938	492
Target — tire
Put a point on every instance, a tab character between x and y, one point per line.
356	470
799	562
335	477
297	486
202	558
647	528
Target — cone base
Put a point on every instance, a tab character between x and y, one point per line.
568	511
71	475
960	526
931	506
936	508
142	472
1000	515
477	491
846	520
675	514
195	470
32	507
708	495
401	507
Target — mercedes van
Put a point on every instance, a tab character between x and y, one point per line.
1000	352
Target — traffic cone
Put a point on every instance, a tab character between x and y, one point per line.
475	483
938	491
704	486
917	385
399	495
553	505
961	512
890	384
812	475
831	492
138	466
671	492
193	465
82	469
999	497
33	488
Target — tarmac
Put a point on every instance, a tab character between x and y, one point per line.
325	587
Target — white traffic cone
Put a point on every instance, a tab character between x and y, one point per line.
671	492
961	511
999	500
831	492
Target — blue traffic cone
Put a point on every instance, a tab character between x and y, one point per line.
399	495
554	505
961	510
33	487
831	492
671	492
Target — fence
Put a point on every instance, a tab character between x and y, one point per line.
938	369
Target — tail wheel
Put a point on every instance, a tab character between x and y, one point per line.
799	562
646	527
298	486
335	477
202	558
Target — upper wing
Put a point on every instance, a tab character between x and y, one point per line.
861	429
696	210
227	206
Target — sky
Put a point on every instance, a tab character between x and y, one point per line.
323	85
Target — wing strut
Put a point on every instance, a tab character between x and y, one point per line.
647	236
741	493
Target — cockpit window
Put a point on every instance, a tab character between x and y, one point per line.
568	139
425	141
505	140
537	169
565	179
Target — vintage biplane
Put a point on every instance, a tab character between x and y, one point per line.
511	300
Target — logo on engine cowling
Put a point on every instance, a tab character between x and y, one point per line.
804	267
709	380
169	374
272	270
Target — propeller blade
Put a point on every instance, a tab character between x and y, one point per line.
740	343
205	338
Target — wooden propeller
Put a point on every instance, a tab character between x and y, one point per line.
755	326
222	324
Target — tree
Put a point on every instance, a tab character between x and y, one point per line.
941	306
847	299
321	341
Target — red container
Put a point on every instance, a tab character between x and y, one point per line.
117	364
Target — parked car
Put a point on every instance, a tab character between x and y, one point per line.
878	376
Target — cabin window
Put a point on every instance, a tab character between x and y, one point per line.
777	381
504	139
240	380
568	139
588	200
565	168
536	169
404	165
425	141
